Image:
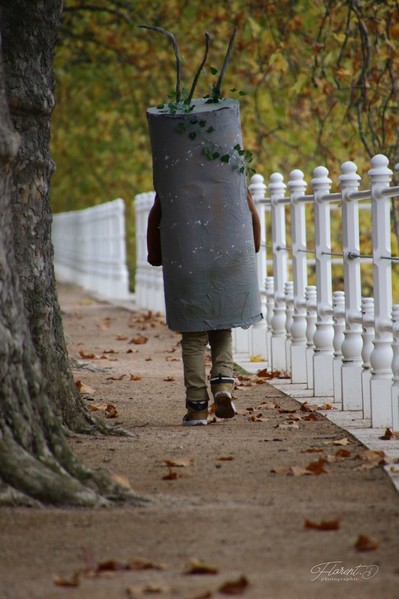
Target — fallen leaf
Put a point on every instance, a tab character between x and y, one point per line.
111	411
317	467
169	379
264	373
109	351
133	377
67	582
269	405
327	406
280	470
287	410
257	358
140	340
287	425
324	524
225	458
172	475
179	462
312	450
87	356
311	417
205	595
122	337
142	563
343	453
115	378
234	587
196	566
84	388
373	457
365	543
257	418
136	591
121	479
299	471
344	441
111	565
306	407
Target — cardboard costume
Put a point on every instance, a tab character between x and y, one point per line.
207	241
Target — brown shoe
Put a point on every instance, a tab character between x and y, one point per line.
197	413
222	389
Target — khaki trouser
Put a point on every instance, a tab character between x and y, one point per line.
193	349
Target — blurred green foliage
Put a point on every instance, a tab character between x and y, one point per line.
320	79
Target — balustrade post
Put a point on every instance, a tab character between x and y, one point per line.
351	374
311	317
277	190
289	312
269	288
395	368
381	356
297	186
324	334
339	327
367	337
258	330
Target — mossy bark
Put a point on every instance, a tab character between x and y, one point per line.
37	466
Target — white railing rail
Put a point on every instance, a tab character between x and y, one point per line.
338	343
90	251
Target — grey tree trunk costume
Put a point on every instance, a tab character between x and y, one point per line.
206	239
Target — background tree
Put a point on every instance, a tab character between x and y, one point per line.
320	81
36	462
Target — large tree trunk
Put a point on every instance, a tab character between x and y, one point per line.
29	32
36	462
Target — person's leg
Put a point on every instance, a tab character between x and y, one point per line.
193	346
222	381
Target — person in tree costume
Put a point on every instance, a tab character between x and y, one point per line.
205	231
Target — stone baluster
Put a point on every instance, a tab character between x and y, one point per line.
381	356
311	317
269	287
352	344
367	337
258	331
395	368
280	266
289	312
339	327
324	334
297	186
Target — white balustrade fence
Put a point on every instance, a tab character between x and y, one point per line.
336	342
89	249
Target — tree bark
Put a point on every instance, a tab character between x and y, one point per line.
36	462
29	33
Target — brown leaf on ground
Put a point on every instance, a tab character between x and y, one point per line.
133	377
169	379
121	337
366	543
299	471
269	405
146	589
115	378
84	388
313	450
179	462
372	457
344	441
225	458
234	587
312	417
88	356
204	595
111	411
196	566
287	425
121	479
287	410
389	434
74	581
140	340
317	467
111	565
306	407
324	524
142	563
274	374
257	418
172	475
343	453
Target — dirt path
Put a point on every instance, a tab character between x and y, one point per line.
223	505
